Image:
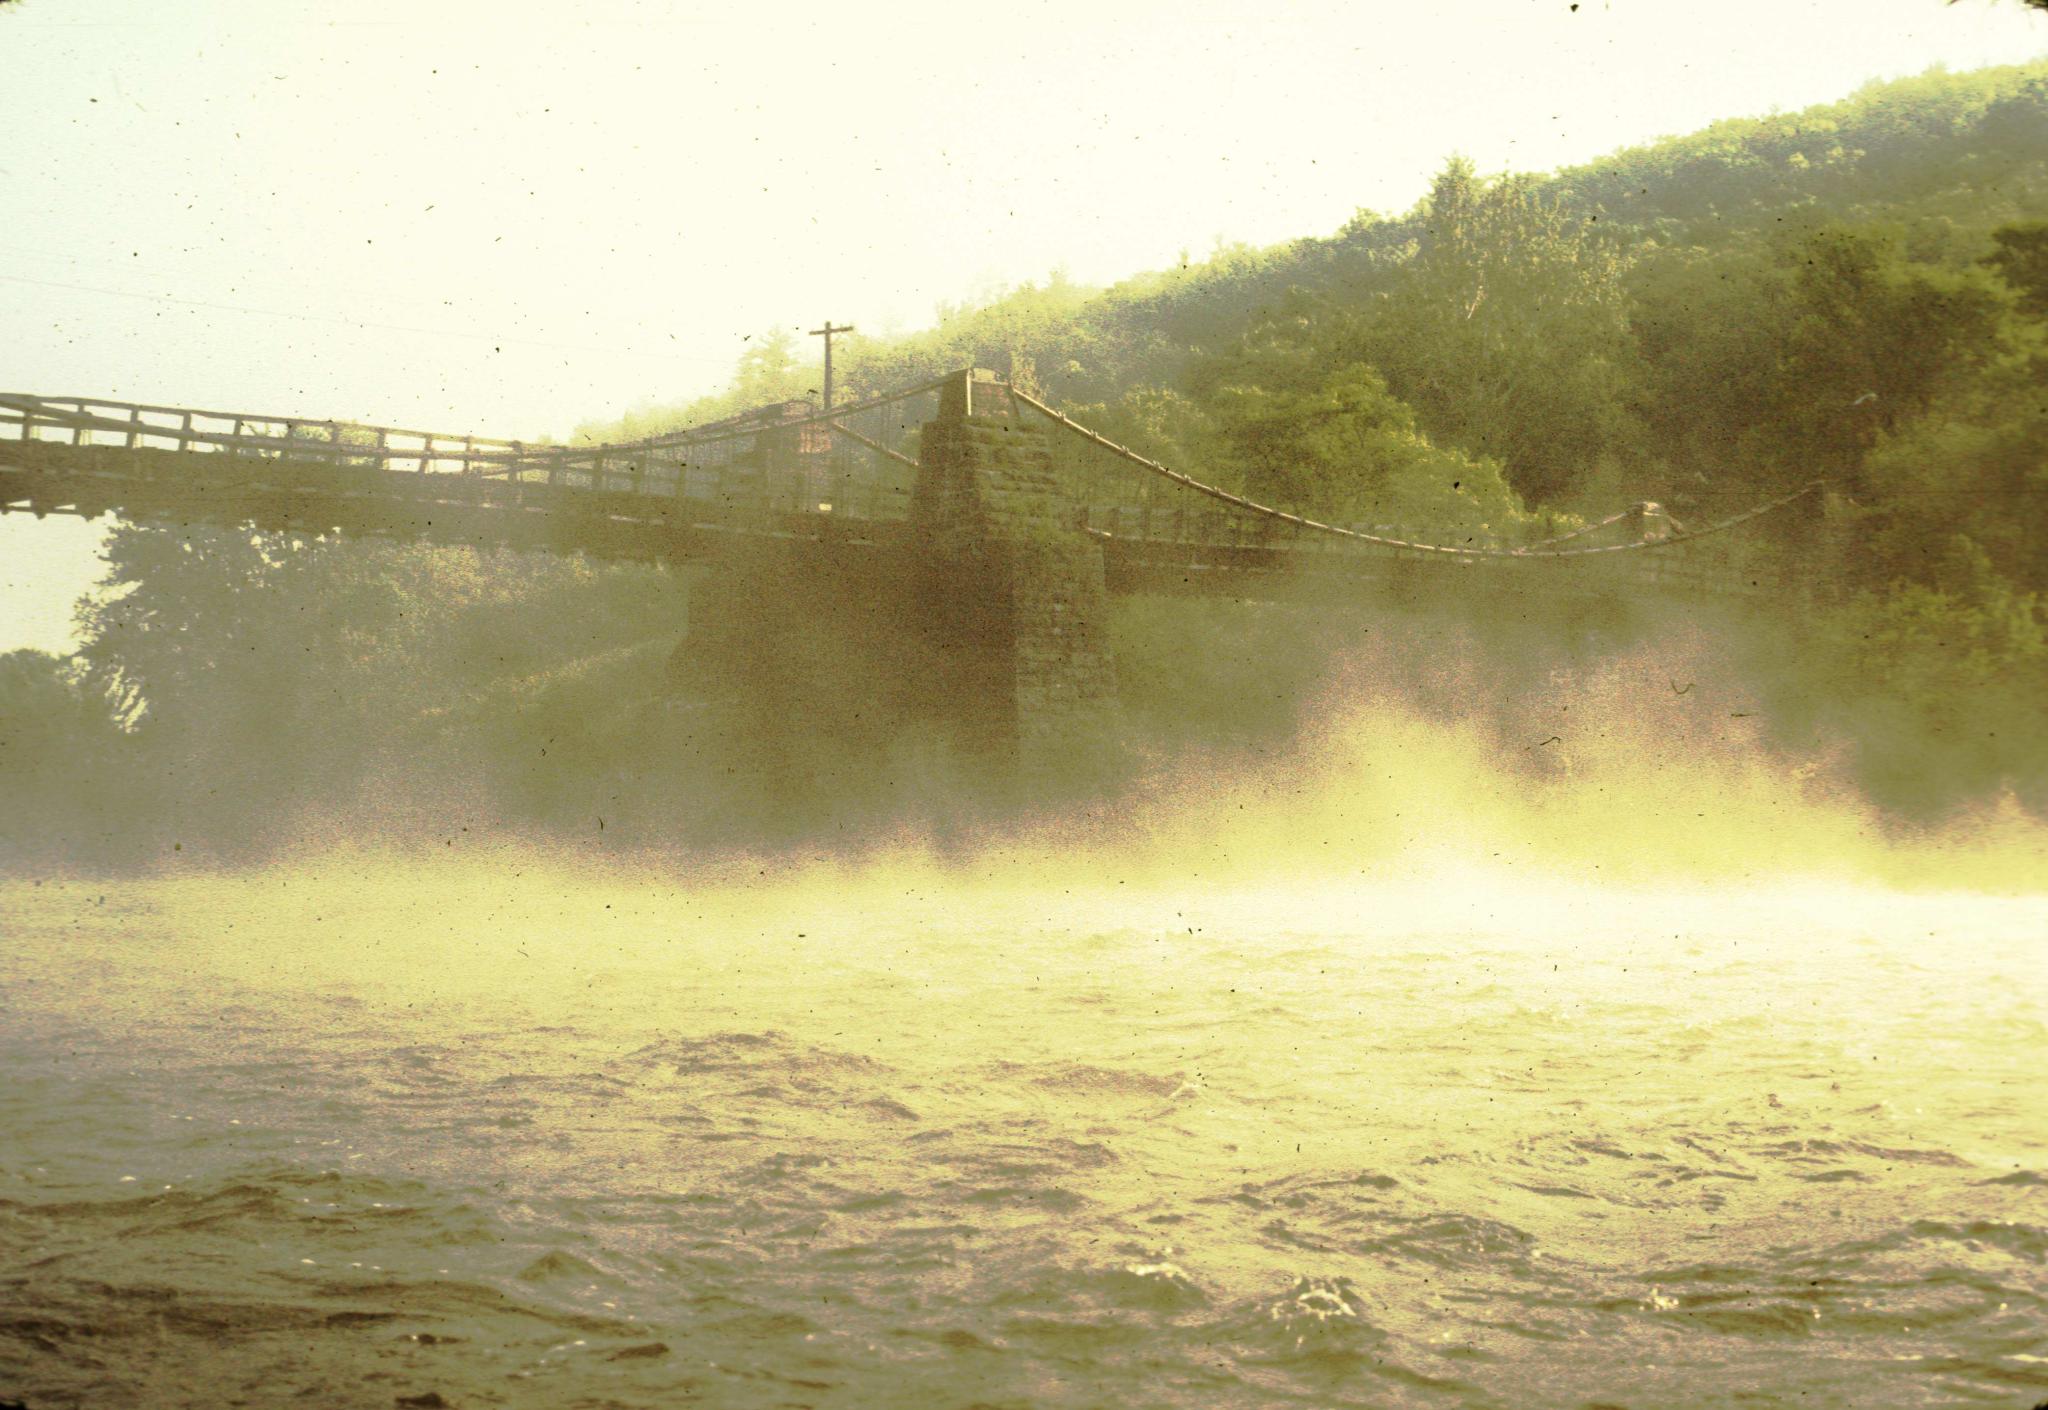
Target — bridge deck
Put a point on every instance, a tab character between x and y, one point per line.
844	480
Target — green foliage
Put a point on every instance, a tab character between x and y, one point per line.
1857	291
1973	468
770	370
1157	422
2021	259
1506	326
1964	146
268	678
1870	340
59	745
1853	291
1045	328
1302	429
1767	365
1940	688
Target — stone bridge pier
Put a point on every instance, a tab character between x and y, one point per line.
1010	592
981	642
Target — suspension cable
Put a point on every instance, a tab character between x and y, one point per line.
1579	532
1358	536
718	432
876	446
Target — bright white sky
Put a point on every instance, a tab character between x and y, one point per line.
512	216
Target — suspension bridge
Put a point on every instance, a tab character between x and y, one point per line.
963	511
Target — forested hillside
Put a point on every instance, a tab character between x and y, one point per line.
1857	292
1680	314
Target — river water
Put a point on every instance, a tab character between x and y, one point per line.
489	1132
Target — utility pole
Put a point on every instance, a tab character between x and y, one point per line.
826	333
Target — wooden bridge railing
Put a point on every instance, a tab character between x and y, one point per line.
140	426
787	460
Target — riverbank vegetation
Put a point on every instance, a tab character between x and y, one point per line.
1856	292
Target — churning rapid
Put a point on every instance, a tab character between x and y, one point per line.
504	1132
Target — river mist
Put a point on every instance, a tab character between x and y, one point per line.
1645	1066
1496	858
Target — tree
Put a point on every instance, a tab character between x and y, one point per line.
1506	327
1868	340
1305	429
771	371
58	745
2021	260
1970	475
1765	366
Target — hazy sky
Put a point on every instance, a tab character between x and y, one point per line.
510	217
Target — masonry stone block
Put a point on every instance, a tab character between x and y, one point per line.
1013	590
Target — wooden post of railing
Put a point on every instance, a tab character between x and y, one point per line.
383	447
426	453
134	421
185	432
469	455
517	467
